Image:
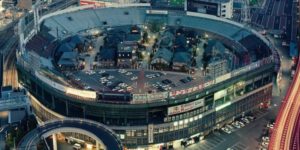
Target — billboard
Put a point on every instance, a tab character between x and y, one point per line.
185	107
149	97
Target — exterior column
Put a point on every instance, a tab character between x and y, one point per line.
67	108
83	111
234	91
97	145
54	141
53	102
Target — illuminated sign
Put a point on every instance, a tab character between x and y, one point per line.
220	94
81	93
185	107
223	106
150	133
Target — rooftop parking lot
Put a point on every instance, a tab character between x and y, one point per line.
121	80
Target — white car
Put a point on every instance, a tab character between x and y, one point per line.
154	85
266	139
110	77
128	73
265	144
101	71
270	126
109	83
230	127
77	146
226	130
250	118
236	124
90	72
87	87
150	76
241	123
122	71
133	78
245	120
123	85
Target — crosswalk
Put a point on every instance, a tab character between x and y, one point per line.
259	113
209	144
239	146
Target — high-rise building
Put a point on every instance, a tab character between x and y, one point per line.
220	8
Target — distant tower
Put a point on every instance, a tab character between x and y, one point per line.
245	12
141	81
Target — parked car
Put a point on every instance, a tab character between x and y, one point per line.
77	146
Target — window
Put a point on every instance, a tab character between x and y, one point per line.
70	18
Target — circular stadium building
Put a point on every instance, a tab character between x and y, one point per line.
152	76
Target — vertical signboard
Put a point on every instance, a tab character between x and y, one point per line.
150	133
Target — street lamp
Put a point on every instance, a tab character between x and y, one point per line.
206	35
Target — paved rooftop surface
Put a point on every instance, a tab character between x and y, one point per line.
153	80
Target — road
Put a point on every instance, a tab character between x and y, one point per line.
287	118
277	15
286	134
108	138
9	72
5	38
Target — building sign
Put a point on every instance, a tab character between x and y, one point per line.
185	107
150	133
220	94
149	97
92	2
186	91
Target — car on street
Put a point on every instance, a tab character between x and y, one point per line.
245	120
266	139
77	146
265	144
226	130
230	127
